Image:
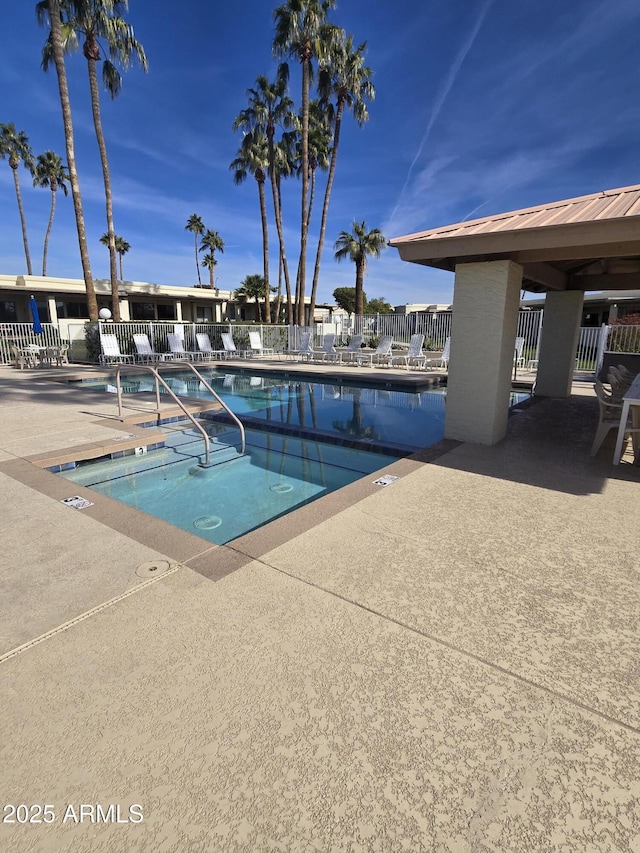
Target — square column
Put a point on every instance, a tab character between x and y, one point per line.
486	300
559	342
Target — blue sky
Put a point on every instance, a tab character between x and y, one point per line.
481	106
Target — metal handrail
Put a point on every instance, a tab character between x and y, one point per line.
160	381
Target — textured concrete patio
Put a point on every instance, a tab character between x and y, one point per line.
449	663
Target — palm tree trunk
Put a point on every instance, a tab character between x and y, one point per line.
120	257
23	221
58	58
265	249
360	268
304	225
325	206
211	279
283	257
279	293
95	106
48	232
195	237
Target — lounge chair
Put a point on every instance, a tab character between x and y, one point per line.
349	354
206	350
518	358
413	355
610	414
443	360
255	342
176	345
144	350
111	351
379	355
304	350
328	349
229	345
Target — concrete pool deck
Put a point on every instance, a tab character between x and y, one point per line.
446	663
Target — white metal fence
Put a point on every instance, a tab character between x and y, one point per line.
84	338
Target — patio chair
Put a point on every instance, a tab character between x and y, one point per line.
23	357
327	349
111	351
228	343
610	414
257	348
349	354
620	383
413	355
145	354
518	358
379	355
443	360
176	345
304	349
206	350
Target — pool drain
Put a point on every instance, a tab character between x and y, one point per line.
207	522
153	567
281	488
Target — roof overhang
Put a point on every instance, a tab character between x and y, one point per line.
602	253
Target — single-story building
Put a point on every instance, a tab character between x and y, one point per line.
562	249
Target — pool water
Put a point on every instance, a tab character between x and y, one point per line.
238	493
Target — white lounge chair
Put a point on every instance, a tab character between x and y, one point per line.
518	358
353	348
144	350
176	345
111	351
413	355
229	345
304	350
328	349
379	355
206	350
255	342
443	360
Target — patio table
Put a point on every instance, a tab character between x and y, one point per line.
630	402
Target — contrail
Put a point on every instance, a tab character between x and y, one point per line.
442	95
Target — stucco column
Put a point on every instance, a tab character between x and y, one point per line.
486	299
125	313
53	310
178	311
559	342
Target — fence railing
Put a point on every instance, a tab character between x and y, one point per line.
84	338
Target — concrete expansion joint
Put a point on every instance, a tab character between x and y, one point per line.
161	570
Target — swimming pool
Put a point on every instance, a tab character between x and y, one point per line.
238	493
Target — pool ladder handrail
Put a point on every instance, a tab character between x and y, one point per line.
149	368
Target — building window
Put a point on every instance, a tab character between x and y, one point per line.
8	312
166	312
71	310
143	311
204	314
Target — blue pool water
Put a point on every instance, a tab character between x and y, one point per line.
237	494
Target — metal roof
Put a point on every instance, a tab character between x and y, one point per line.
591	242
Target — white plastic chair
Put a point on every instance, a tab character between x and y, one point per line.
443	360
379	355
610	414
352	350
255	342
229	345
204	345
328	349
176	345
111	351
414	354
144	350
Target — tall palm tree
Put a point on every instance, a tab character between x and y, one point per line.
209	262
122	247
302	30
253	159
49	15
212	242
14	145
357	246
269	107
196	226
50	172
93	20
345	78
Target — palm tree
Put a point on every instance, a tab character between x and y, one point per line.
269	107
357	246
253	159
196	226
253	287
346	78
212	241
301	30
14	145
94	20
122	247
50	172
49	15
209	262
